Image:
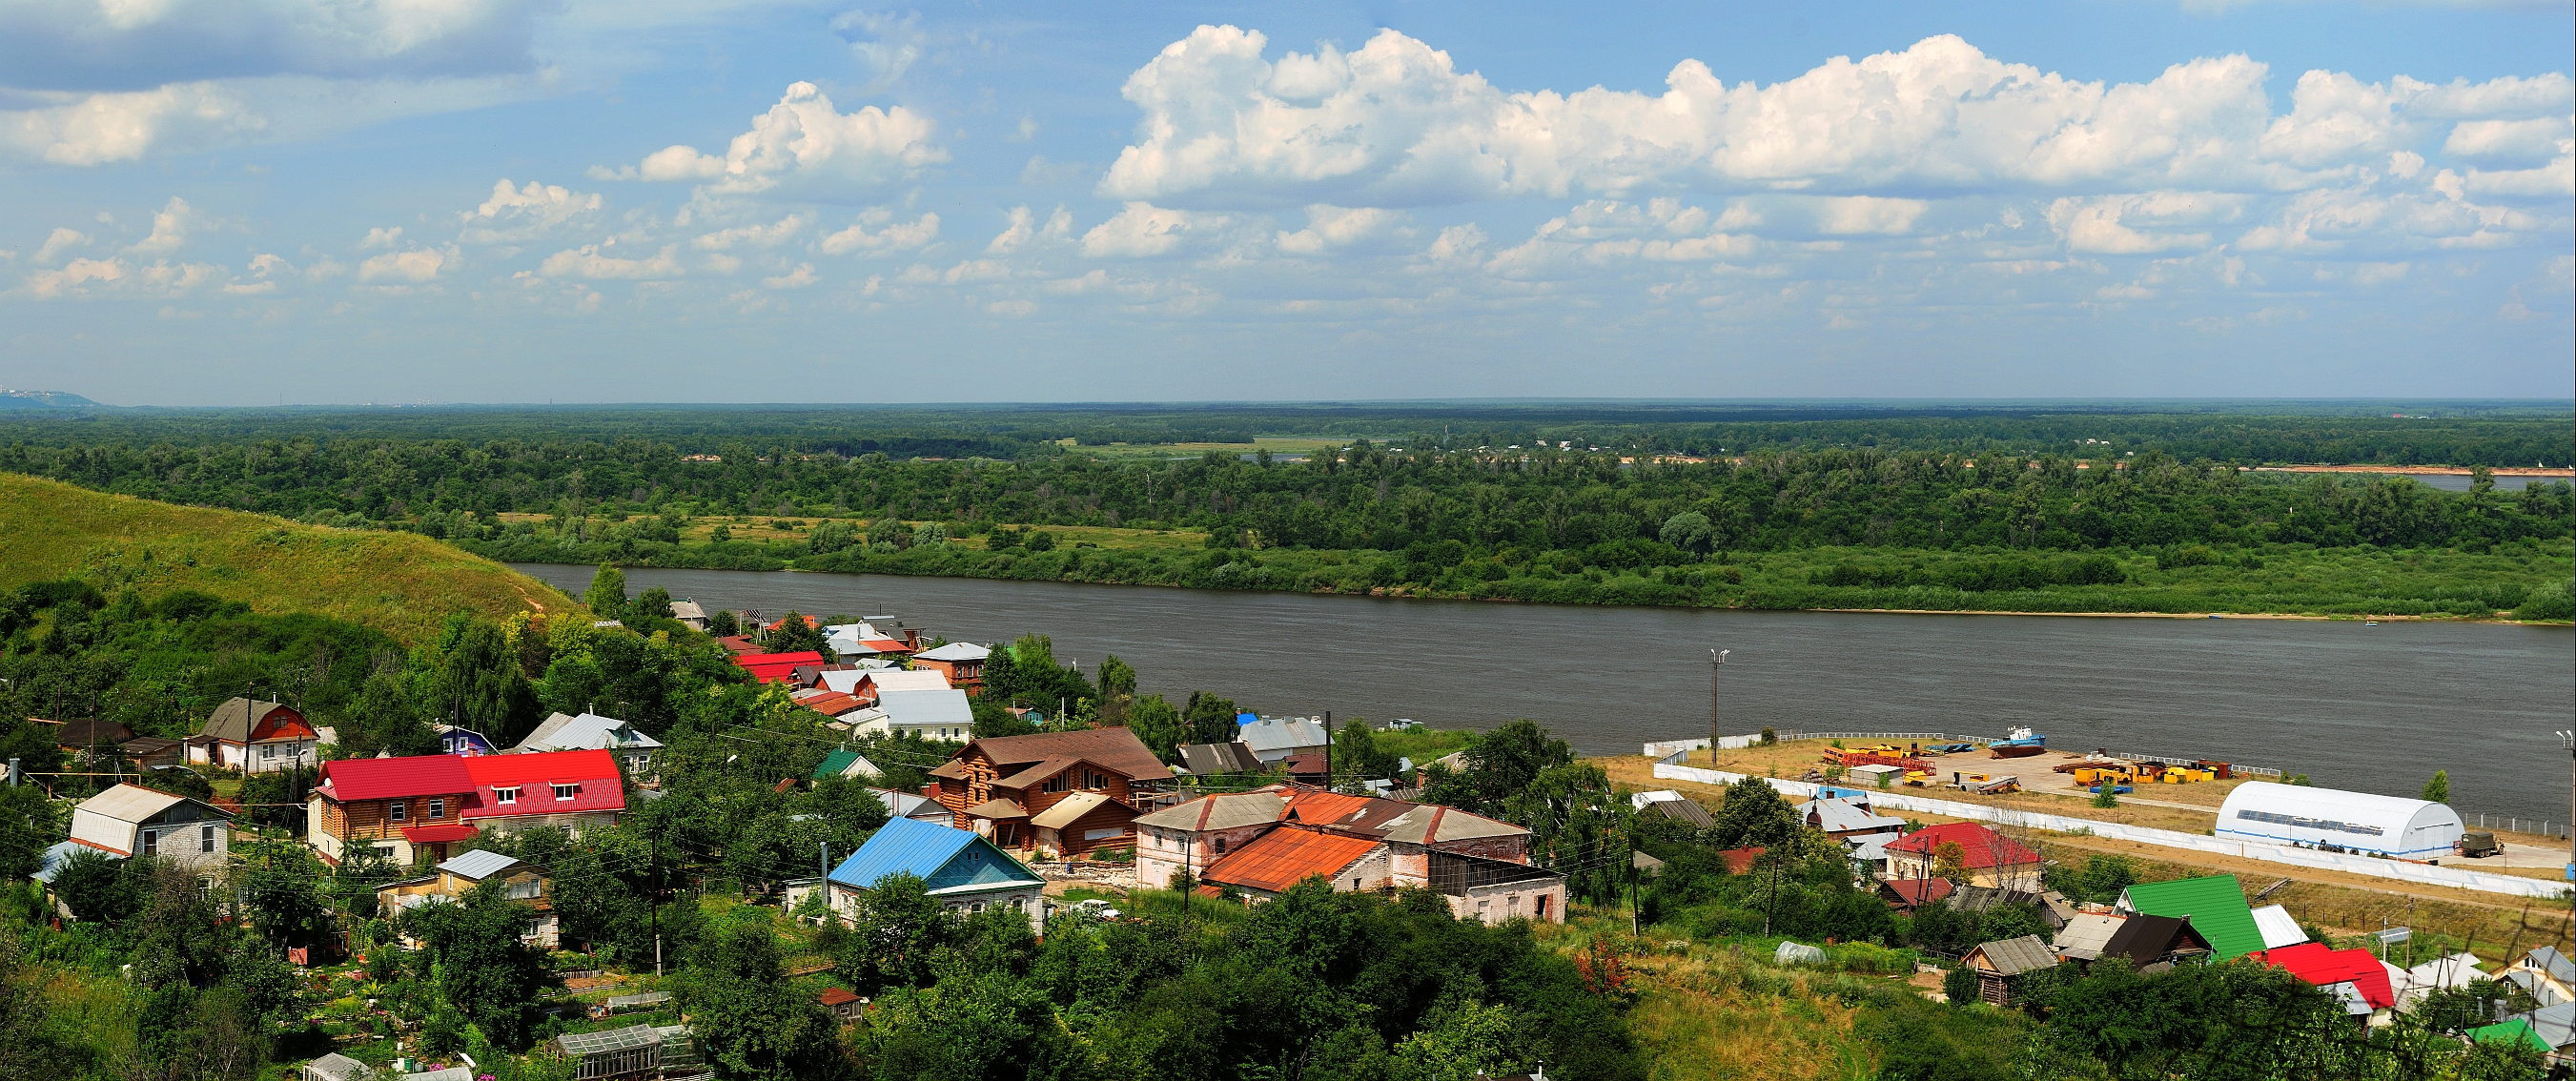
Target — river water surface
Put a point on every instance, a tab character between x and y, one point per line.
2369	708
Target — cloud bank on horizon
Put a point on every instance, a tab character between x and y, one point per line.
1376	221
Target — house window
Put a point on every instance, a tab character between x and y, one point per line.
523	891
505	795
437	809
384	852
643	760
151	842
205	838
395	811
1058	783
268	752
565	792
1220	846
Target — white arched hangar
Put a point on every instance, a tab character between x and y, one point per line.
2409	829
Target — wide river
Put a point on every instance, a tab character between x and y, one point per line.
2370	708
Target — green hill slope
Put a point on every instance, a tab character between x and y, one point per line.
401	583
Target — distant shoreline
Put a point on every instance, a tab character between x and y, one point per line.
2418	470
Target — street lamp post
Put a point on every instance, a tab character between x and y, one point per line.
1716	660
2568	740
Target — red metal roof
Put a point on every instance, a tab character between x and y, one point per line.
594	772
2325	967
1282	858
827	703
772	667
838	996
1978	846
454	831
1917	892
395	778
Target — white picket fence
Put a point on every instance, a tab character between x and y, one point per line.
1670	768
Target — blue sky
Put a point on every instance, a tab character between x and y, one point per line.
233	202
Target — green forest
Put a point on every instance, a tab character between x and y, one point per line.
2157	513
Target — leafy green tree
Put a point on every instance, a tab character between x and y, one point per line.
994	719
1753	814
752	1021
26	830
1117	689
267	985
652	604
1467	1041
1508	759
1159	726
1210	719
894	929
483	968
100	888
607	593
1690	531
2438	790
478	681
1357	757
722	624
796	635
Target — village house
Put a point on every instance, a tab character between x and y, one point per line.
846	763
1997	962
129	820
1844	819
464	741
863	639
1276	738
1000	787
254	737
691	614
865	684
775	667
1481	865
2546	973
1675	806
592	732
453	879
965	872
410	810
961	662
1985	858
940	715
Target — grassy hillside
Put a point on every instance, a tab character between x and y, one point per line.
401	583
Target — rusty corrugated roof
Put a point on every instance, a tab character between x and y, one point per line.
1284	857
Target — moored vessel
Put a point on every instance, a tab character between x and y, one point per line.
2021	743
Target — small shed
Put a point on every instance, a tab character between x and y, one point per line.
2331	818
1997	962
336	1067
618	1052
846	1005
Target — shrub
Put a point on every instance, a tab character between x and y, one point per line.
2554	601
1961	985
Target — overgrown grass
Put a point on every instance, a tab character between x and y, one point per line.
401	583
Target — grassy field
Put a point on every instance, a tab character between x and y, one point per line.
401	583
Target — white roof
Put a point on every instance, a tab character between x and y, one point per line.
1067	809
956	651
945	708
687	610
129	803
1873	769
1639	801
62	852
588	732
887	679
1842	816
2411	985
1282	735
2363	821
908	804
1871	847
2278	928
480	864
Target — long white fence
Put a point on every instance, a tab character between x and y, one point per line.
1670	768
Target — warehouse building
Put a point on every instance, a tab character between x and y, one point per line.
2326	818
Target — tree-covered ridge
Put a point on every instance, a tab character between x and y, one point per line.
1367	497
2393	433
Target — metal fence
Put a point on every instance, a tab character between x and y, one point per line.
2510	824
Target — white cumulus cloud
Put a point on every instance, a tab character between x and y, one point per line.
594	261
63	128
518	214
170	228
876	232
752	236
415	266
61	241
803	146
1142	230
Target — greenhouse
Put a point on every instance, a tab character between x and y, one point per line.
2331	819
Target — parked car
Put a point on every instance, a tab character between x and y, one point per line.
1096	908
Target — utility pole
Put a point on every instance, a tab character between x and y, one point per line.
654	905
2569	739
1716	661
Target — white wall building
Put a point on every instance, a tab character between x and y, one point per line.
2330	818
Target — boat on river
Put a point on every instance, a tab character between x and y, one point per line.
2021	743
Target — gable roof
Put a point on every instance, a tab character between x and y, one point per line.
946	859
1068	809
922	708
588	731
1224	811
841	763
90	732
2556	1025
2548	960
595	772
1979	847
480	864
2276	926
909	804
2215	903
954	652
234	720
2514	1030
1282	858
1685	811
131	803
1843	816
2145	940
351	779
1915	892
1206	758
772	667
1269	735
2324	966
829	703
1115	749
888	679
2084	937
2014	956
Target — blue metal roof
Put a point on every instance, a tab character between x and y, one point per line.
943	857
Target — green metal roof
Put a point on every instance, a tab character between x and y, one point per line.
834	763
2516	1030
2215	905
